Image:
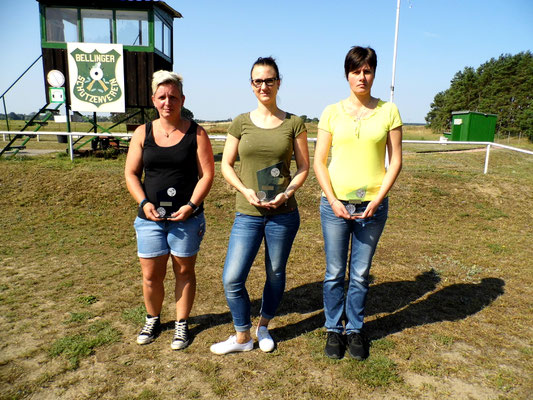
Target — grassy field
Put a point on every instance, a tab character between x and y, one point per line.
449	310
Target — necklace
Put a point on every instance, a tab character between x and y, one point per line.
363	111
167	134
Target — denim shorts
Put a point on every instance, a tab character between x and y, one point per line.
180	238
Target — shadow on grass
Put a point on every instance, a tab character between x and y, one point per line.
386	297
398	299
303	300
451	303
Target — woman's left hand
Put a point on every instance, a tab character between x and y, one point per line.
369	211
182	214
280	199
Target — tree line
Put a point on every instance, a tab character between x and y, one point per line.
502	86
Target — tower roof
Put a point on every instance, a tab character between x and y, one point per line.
106	4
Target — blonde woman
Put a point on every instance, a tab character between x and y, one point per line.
176	159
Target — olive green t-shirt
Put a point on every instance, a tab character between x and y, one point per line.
261	148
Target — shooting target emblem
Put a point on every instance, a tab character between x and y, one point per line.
96	77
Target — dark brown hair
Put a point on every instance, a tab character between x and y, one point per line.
359	56
269	61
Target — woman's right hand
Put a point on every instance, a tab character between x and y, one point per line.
151	213
339	210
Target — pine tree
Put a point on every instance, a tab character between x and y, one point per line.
502	86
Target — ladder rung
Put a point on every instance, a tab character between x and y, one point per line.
52	111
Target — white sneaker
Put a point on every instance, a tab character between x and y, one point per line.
266	343
231	345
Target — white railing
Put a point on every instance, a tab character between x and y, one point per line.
223	137
488	144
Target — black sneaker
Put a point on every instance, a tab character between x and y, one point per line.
335	346
181	335
150	330
356	346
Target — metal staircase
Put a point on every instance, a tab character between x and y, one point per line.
47	112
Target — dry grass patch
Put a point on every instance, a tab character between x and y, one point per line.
449	309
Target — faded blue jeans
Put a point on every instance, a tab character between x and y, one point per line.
364	236
246	236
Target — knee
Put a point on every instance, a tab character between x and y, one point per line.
276	277
152	280
334	273
360	281
184	274
359	271
232	285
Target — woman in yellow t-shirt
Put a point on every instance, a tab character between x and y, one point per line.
354	203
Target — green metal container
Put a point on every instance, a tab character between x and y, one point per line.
473	126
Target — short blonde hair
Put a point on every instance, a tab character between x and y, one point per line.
160	77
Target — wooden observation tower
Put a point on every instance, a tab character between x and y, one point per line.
143	27
99	56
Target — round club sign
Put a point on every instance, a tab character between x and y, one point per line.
55	78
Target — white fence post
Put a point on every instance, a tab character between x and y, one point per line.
487	159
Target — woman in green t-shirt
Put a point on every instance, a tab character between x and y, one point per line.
265	140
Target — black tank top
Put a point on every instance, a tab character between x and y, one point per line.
173	166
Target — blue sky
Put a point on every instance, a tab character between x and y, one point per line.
216	43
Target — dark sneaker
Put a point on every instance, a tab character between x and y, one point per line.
335	346
181	335
150	330
356	346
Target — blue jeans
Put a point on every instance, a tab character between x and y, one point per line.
246	236
364	236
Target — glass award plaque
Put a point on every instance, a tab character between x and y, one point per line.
355	199
166	202
270	182
350	208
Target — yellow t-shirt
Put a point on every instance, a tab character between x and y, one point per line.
357	164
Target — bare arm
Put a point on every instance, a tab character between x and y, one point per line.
301	154
206	172
394	147
231	150
133	172
320	167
